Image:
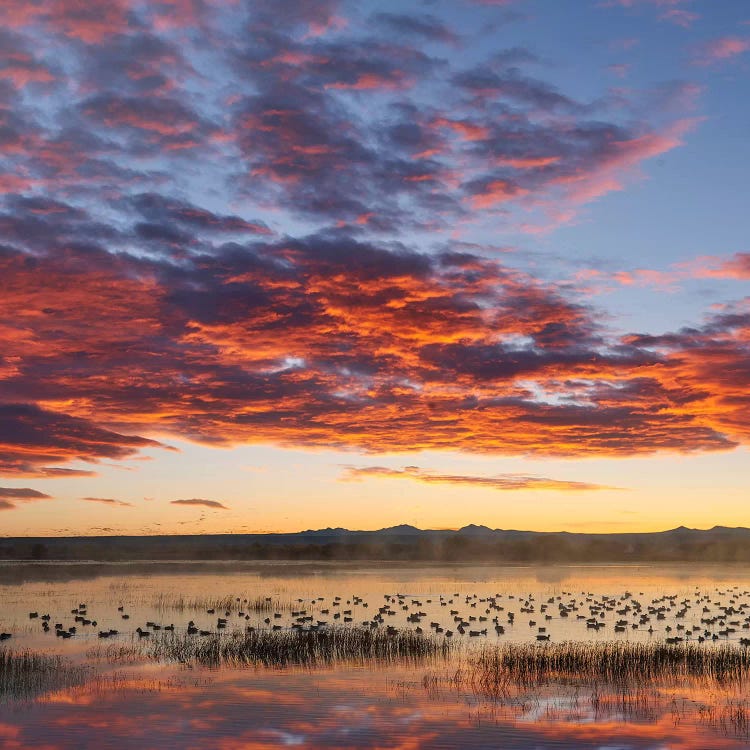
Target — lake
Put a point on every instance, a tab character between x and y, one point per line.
158	690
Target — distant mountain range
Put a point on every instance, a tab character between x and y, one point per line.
471	543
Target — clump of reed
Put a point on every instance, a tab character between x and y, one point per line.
617	662
180	603
298	647
27	674
115	653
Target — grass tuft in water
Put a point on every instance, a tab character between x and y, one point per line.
28	674
180	603
279	648
617	662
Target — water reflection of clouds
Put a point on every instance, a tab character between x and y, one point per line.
142	706
345	708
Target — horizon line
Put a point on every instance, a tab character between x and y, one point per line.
375	531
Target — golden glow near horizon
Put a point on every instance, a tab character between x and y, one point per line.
271	490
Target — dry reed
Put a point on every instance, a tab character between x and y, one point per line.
180	603
26	674
307	647
617	662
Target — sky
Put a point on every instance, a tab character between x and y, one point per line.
310	263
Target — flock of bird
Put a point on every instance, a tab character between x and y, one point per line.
701	617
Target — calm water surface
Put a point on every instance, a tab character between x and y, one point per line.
125	700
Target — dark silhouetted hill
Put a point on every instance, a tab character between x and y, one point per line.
469	544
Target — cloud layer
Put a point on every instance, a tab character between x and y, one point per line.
199	502
330	340
107	501
502	482
212	227
10	496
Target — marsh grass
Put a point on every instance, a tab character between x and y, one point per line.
258	604
602	682
28	674
494	668
116	653
295	647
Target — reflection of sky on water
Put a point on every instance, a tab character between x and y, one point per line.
144	705
343	708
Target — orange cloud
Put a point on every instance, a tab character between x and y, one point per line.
736	267
367	81
9	496
31	437
467	130
495	192
324	342
502	482
527	162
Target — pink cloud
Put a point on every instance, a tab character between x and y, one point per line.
608	176
721	49
496	192
736	267
322	27
621	70
21	74
684	18
368	81
80	19
633	3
